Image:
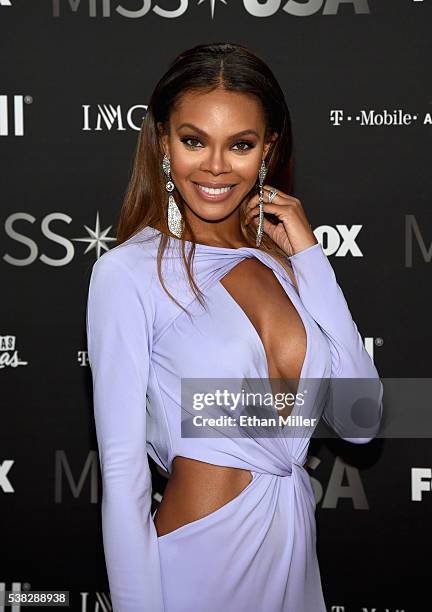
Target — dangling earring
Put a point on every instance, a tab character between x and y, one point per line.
260	231
174	214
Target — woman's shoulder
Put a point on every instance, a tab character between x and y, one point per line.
135	257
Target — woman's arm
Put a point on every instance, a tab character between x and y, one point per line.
119	335
324	300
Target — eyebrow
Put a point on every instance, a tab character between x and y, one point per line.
197	129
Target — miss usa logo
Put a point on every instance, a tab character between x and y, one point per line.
257	8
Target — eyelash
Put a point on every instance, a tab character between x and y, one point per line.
251	145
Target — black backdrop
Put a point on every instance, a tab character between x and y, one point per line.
74	83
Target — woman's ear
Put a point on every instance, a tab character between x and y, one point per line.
163	139
269	144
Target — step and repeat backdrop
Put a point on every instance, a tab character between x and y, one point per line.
75	79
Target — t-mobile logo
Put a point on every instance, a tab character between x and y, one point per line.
421	480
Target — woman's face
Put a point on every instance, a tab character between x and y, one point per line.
216	145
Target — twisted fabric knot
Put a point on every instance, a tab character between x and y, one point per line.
294	465
298	464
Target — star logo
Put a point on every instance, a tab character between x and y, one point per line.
96	238
212	4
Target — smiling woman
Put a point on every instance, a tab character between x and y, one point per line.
210	163
235	529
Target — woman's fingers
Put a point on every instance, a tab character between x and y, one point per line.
279	210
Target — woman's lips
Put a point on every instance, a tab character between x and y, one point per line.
210	197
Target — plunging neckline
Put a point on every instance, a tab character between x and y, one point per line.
248	322
260	343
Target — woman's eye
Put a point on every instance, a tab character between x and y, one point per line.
192	143
249	145
187	140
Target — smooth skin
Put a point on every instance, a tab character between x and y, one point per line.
213	152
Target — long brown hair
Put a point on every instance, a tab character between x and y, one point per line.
203	69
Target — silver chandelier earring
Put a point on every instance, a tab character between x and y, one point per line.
175	224
260	231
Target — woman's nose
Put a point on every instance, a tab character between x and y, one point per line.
216	162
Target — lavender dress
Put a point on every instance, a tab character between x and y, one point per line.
258	551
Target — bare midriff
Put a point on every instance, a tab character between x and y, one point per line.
196	488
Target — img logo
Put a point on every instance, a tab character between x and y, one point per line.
107	116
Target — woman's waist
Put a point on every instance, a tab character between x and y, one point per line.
196	489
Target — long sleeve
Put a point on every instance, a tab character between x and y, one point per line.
352	408
119	337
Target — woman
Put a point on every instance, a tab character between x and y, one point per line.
203	286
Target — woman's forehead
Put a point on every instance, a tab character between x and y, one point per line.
208	108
